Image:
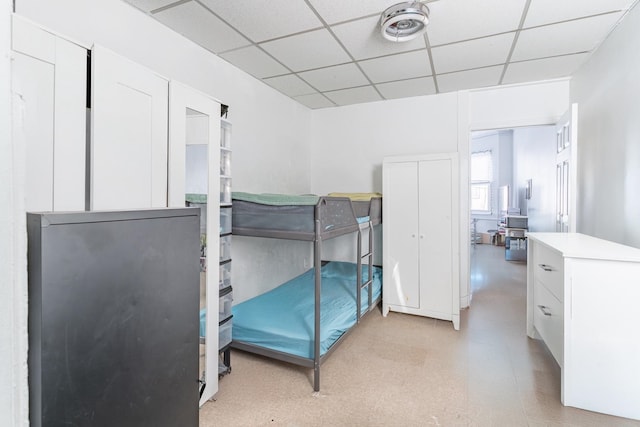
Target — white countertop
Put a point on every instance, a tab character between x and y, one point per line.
576	245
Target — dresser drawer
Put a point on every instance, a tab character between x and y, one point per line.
548	269
548	319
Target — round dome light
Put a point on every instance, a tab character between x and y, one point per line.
404	21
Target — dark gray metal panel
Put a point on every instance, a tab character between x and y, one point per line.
330	217
118	321
34	261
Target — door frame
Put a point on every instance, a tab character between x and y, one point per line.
465	129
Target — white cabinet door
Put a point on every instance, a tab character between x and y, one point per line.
435	235
129	135
400	189
194	119
33	87
49	87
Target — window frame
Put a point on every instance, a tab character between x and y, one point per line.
487	183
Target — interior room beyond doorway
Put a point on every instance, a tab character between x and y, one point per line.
512	173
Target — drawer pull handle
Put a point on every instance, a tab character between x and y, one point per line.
544	310
545	267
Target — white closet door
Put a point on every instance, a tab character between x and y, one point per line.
33	87
186	107
436	237
129	134
49	87
400	189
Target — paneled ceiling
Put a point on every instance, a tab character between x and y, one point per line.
326	53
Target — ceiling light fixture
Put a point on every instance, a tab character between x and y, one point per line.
404	21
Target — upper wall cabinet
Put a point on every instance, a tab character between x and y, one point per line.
49	98
129	116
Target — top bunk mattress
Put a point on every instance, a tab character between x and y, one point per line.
283	318
292	217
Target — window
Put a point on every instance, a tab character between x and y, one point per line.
481	179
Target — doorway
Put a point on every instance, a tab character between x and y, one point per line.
512	174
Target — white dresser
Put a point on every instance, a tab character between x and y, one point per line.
582	301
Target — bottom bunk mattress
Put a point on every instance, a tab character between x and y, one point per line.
283	318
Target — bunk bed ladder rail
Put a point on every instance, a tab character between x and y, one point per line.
369	282
317	265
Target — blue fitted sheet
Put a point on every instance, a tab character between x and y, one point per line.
282	319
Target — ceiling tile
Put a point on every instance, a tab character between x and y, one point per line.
363	39
198	24
543	12
355	95
314	101
472	54
333	78
407	88
568	37
290	85
397	67
255	62
307	51
333	11
452	21
149	5
264	20
481	77
542	69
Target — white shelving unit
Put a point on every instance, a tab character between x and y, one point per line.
225	289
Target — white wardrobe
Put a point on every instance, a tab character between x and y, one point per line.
421	236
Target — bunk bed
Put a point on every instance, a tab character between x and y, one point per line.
305	319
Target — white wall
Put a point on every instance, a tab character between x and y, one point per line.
505	161
269	138
349	143
518	105
607	90
535	158
13	280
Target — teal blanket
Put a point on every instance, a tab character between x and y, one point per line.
283	318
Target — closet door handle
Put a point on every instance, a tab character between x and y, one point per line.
544	310
545	267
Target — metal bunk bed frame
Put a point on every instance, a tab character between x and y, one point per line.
318	237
